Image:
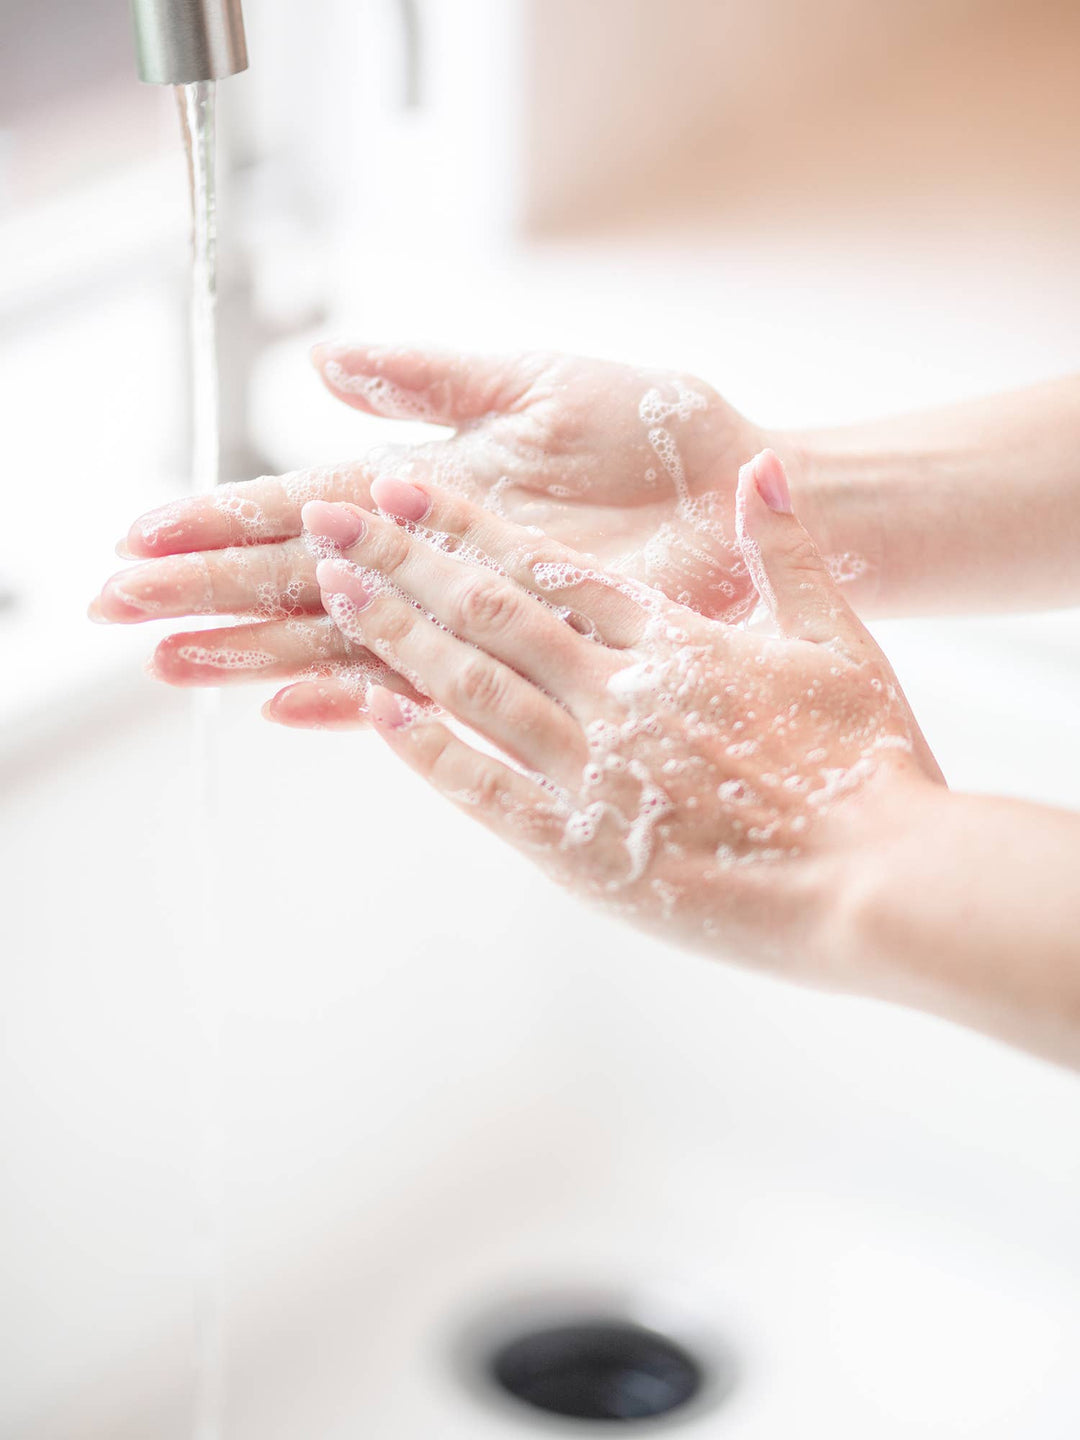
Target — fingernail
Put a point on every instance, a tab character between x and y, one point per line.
335	577
340	522
400	499
277	710
772	482
391	711
121	600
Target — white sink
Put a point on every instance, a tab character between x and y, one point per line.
448	1089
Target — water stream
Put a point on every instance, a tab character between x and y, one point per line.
196	103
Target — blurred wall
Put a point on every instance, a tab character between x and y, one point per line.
69	108
707	107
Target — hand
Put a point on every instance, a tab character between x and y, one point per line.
694	776
635	468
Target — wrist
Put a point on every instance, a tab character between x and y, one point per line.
872	840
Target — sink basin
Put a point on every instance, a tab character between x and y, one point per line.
449	1093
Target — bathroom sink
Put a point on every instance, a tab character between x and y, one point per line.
454	1099
456	1104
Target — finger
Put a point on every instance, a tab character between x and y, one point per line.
337	702
268	581
443	387
607	607
784	562
318	705
514	806
251	512
275	651
474	601
481	691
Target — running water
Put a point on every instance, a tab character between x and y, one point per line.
196	104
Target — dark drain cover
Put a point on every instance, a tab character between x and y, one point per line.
604	1370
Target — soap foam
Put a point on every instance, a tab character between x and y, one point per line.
381	396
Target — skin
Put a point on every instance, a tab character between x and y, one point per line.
547	440
969	508
675	768
789	824
972	508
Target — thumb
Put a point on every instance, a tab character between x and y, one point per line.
784	562
404	382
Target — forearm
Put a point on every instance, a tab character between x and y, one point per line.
968	907
975	507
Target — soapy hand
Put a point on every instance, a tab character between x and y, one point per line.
634	468
690	774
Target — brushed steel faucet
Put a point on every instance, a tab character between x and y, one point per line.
178	42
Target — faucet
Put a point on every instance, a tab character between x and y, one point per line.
187	42
180	41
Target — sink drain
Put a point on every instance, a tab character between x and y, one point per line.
597	1370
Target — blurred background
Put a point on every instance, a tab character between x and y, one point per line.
830	211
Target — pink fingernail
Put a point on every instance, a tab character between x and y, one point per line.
122	597
337	521
335	577
772	482
400	499
392	711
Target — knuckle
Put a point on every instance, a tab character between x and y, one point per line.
395	622
485	603
487	789
389	549
278	562
437	761
802	555
473	527
477	785
479	685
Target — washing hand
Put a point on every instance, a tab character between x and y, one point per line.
692	775
636	469
767	797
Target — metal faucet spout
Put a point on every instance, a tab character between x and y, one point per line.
180	41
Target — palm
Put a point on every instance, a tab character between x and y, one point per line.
571	453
